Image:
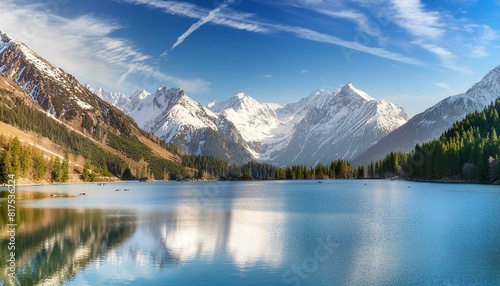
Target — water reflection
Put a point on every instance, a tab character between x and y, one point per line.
52	245
248	238
336	233
166	243
93	246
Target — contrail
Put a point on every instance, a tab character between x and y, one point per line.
209	17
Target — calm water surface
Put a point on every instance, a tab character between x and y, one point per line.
360	232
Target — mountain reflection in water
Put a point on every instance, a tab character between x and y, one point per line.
258	233
52	245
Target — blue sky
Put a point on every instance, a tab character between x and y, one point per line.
410	52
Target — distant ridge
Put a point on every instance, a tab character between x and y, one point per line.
431	123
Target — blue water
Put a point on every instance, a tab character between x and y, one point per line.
359	232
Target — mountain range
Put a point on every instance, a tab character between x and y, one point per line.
320	128
344	124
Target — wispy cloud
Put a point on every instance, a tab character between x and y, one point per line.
482	36
436	50
447	38
267	75
412	16
84	47
336	9
227	17
329	39
446	87
249	22
209	17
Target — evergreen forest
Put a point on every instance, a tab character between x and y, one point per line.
467	152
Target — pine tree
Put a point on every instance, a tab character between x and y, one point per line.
86	176
65	168
56	174
39	168
15	156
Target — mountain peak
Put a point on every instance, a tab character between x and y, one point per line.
140	94
488	88
241	95
237	102
165	90
351	91
4	38
116	98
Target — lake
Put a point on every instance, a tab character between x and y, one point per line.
344	232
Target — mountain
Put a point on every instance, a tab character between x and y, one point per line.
174	117
115	98
318	129
57	92
431	123
467	152
36	96
256	123
328	126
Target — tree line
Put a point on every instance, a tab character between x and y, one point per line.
468	151
25	161
210	167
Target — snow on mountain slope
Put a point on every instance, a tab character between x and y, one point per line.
118	99
55	91
255	122
333	125
318	129
431	123
174	117
167	111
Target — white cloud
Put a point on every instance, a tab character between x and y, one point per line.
355	46
83	47
481	38
248	22
411	15
267	75
209	17
228	17
336	10
436	50
479	52
446	87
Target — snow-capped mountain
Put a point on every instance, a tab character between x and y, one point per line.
174	117
328	126
256	122
87	127
431	123
116	98
55	91
318	129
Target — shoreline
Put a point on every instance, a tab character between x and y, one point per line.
36	184
29	195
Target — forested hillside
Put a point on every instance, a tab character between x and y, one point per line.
112	155
468	151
